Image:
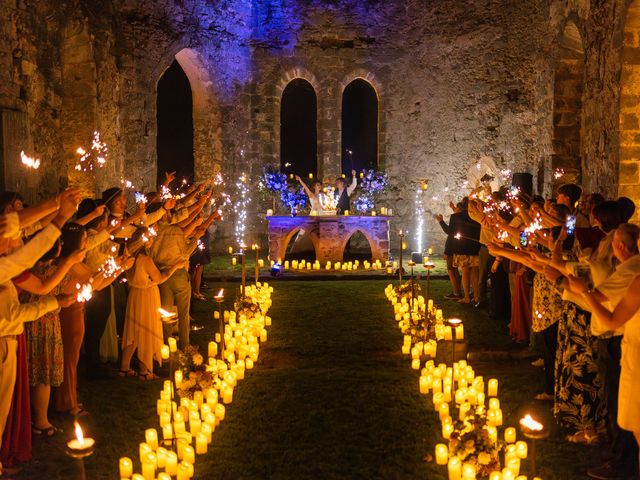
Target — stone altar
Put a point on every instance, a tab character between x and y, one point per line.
329	235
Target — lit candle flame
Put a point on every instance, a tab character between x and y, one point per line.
165	313
79	434
220	293
530	423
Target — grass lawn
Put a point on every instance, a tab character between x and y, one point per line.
331	397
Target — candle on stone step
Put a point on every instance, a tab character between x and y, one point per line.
442	454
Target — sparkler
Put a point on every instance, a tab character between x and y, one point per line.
110	268
240	208
85	292
328	199
419	204
96	157
29	162
558	173
141	198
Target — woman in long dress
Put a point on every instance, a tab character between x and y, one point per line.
143	324
626	313
314	197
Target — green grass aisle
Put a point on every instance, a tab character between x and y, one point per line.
332	396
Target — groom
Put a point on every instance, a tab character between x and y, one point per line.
342	194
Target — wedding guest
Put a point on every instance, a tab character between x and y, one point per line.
143	324
343	193
466	245
44	336
454	275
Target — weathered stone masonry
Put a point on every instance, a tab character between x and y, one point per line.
456	81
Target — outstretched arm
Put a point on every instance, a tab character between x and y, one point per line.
624	311
304	186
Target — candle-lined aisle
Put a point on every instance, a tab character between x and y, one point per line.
193	404
477	448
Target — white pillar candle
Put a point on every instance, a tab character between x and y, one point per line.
143	450
201	443
443	410
442	454
171	463
454	468
126	467
510	435
183	470
513	464
173	344
447	430
468	472
161	455
212	349
492	387
164	476
494	404
495	476
151	436
189	454
522	449
207	431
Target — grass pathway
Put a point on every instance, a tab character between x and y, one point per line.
332	397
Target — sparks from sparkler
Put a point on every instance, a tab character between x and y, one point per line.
29	162
84	292
110	268
419	206
558	173
200	245
141	198
328	198
95	157
240	208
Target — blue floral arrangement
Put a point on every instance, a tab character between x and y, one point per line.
371	185
364	203
293	199
373	182
273	181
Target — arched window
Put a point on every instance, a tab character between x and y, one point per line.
359	127
298	129
567	102
174	139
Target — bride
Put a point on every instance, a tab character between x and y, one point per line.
314	197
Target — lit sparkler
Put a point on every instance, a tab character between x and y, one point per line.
558	173
96	157
84	292
240	208
110	268
29	162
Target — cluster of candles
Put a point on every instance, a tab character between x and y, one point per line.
330	205
455	387
187	427
332	266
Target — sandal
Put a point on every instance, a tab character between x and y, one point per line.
148	376
80	412
128	373
50	431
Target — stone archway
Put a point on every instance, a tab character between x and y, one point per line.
78	117
567	103
359	126
207	124
629	176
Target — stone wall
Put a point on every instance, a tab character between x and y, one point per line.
460	84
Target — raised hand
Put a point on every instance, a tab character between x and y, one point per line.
169	177
65	301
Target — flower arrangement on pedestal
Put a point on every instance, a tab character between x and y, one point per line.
277	185
196	374
472	443
372	185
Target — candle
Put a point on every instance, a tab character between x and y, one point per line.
454	467
183	472
261	263
447	430
80	444
149	470
495	476
164	476
507	474
173	345
443	410
468	472
494	404
424	384
171	465
201	443
415	364
207	430
510	435
126	467
464	409
269	213
442	454
310	175
234	261
212	349
178	378
165	352
189	454
521	449
513	464
151	436
492	388
161	456
493	433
